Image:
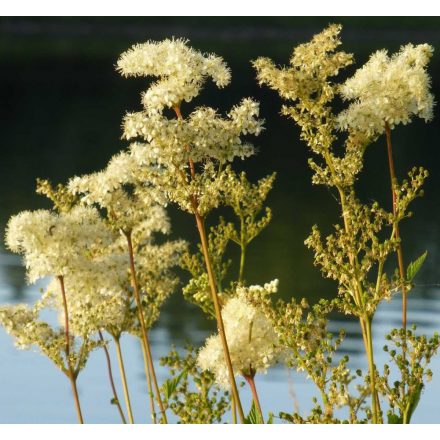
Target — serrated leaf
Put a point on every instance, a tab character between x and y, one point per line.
415	266
253	418
170	385
414	401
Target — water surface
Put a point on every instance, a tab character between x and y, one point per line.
62	105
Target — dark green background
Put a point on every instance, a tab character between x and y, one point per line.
62	103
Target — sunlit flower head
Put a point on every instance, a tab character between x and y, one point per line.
311	64
181	71
55	244
252	341
390	89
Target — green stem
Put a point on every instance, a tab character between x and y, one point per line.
358	295
150	390
217	309
212	282
242	249
70	372
234	411
242	262
372	370
327	407
124	380
145	341
379	277
110	375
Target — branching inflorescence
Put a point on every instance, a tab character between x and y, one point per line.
108	275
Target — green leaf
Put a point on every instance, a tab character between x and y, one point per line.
170	385
394	419
414	401
253	418
114	401
286	417
415	266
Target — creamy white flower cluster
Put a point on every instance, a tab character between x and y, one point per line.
311	66
204	134
97	296
389	89
162	147
56	244
127	206
181	70
252	340
23	323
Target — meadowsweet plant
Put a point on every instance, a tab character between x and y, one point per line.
183	159
385	92
54	245
136	216
108	275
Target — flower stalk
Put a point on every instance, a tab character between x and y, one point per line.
124	380
250	380
212	284
145	341
112	382
149	385
71	374
217	309
393	179
365	322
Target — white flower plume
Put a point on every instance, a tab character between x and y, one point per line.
389	89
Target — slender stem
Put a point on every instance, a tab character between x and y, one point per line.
76	398
242	261
124	380
372	369
242	249
215	300
212	283
327	407
234	411
144	332
357	290
150	390
251	382
396	225
71	373
110	376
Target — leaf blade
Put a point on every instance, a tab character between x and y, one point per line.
415	266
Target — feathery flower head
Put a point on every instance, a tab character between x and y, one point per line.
23	323
181	70
163	146
389	89
310	65
205	137
127	206
253	343
55	244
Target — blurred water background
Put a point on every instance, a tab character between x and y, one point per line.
61	108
